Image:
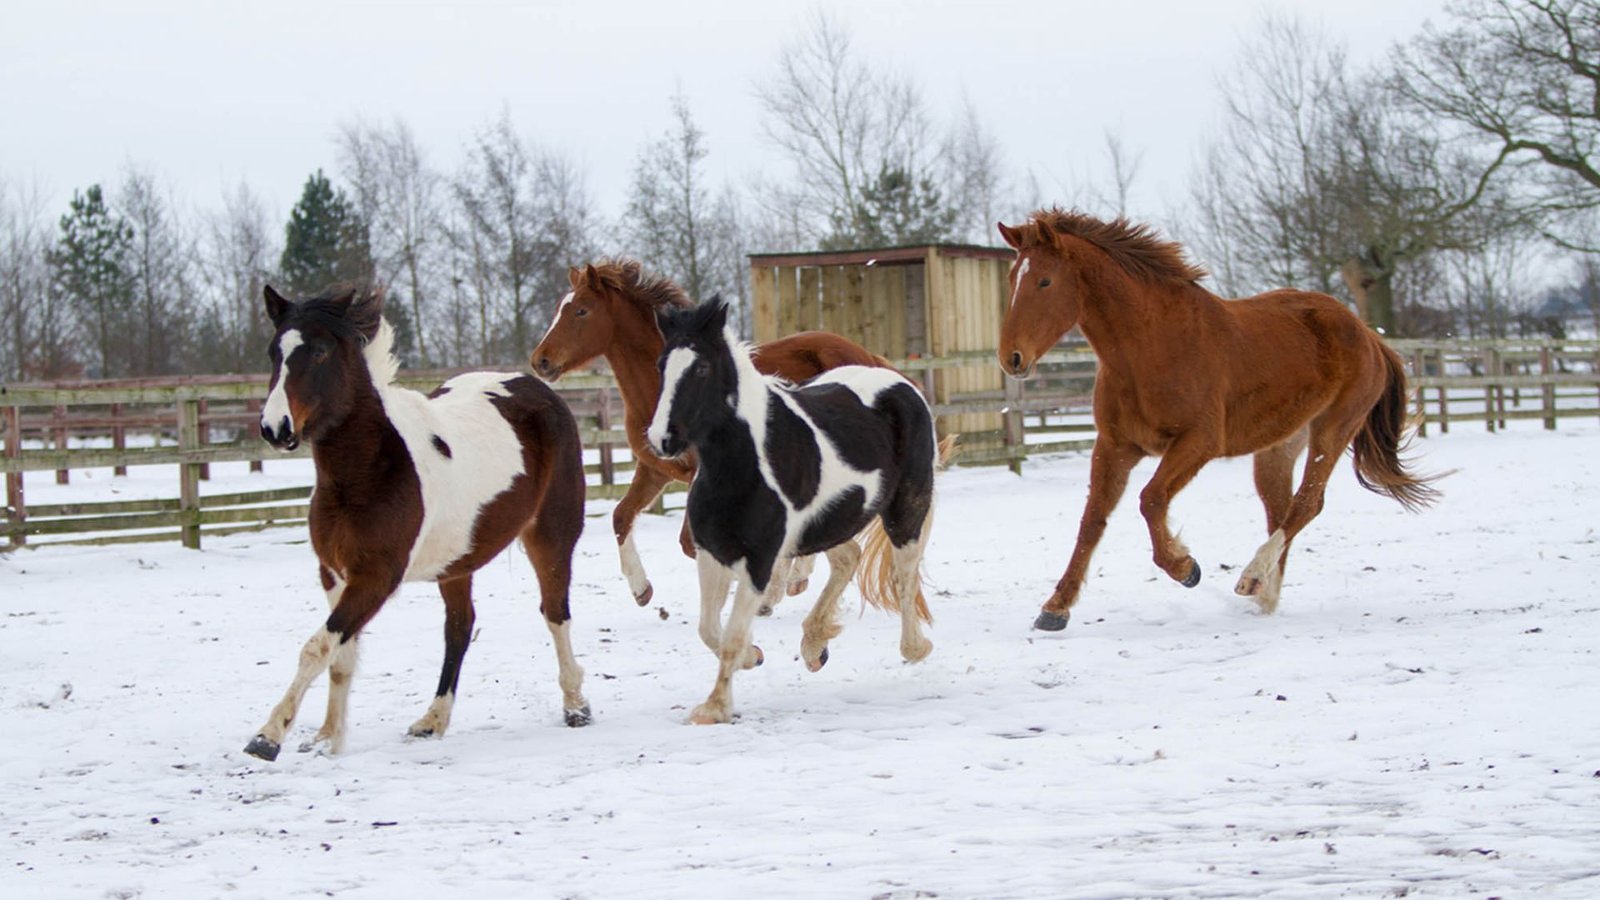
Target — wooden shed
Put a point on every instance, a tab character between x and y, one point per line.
899	302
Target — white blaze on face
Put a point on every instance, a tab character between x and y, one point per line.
678	362
1022	272
277	406
566	303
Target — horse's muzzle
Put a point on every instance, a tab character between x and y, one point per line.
546	369
282	436
1015	366
668	445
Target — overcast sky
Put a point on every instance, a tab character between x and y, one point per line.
208	94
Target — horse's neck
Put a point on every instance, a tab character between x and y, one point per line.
633	354
754	393
1118	314
352	450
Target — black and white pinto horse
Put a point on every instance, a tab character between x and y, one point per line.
790	470
415	488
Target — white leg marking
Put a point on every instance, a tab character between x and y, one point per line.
907	560
434	722
314	657
1263	577
736	652
571	676
822	625
714	581
800	574
633	567
340	672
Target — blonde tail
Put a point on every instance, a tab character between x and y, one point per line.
875	574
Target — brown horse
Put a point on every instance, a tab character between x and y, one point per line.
611	312
415	488
1189	377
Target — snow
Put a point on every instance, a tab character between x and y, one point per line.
1418	720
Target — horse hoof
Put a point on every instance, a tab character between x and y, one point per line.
577	718
705	715
1248	585
764	611
760	657
1051	621
796	588
261	748
1194	575
417	731
822	660
644	598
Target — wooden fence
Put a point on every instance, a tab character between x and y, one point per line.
193	422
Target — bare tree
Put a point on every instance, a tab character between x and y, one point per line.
236	260
398	195
1523	77
522	217
674	219
1319	181
161	269
36	334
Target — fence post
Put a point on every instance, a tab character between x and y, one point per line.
1548	389
16	509
119	436
1418	371
58	424
189	473
608	468
253	406
1015	433
203	436
1486	359
1444	399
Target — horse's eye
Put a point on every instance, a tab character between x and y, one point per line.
582	311
1044	282
319	355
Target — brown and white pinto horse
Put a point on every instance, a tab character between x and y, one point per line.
1188	377
415	488
611	312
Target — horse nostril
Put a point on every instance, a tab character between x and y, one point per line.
1016	361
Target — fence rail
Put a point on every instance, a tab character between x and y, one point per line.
193	422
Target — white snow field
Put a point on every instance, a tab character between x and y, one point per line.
1420	719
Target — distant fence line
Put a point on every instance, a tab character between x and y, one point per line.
192	422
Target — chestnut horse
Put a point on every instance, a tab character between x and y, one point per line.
611	312
415	488
1189	377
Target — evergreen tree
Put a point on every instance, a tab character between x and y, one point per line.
895	209
91	267
325	240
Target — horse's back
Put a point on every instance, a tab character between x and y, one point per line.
805	355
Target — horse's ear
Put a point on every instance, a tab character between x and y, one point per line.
277	307
1012	236
591	276
717	319
666	321
342	297
573	274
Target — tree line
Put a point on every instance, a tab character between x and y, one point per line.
1431	189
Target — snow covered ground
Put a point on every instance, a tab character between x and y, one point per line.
1419	720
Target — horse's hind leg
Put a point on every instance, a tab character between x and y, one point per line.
458	619
340	671
646	486
907	561
549	543
1329	438
821	625
799	577
1274	477
1108	479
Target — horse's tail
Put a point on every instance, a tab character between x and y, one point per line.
1377	447
875	574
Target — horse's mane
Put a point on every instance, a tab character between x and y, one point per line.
358	318
1134	247
649	291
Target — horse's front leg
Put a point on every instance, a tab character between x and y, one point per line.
362	597
647	485
1108	479
340	672
735	653
714	581
458	618
1179	464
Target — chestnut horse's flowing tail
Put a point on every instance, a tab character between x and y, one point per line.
875	574
1377	446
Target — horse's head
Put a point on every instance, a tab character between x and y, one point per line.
317	361
699	377
583	326
1044	301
